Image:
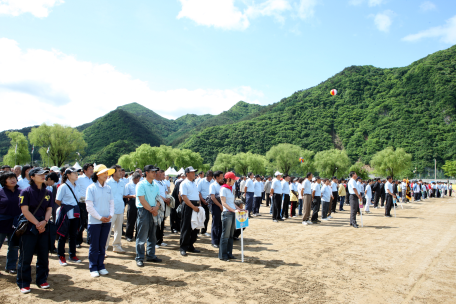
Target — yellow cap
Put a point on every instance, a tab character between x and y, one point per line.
100	169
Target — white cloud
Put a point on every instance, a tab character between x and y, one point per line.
384	20
369	2
53	87
306	8
427	6
446	33
38	8
220	13
226	15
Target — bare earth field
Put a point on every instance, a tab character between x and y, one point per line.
408	259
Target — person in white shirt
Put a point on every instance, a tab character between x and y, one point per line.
276	194
293	196
368	196
354	198
335	195
299	186
203	189
17	170
306	193
450	188
242	185
257	195
248	192
285	195
404	190
83	182
216	209
159	232
24	183
326	199
389	196
316	199
267	190
132	211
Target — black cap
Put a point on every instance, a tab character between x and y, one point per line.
256	176
150	168
38	170
189	169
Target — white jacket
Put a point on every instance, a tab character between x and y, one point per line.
198	218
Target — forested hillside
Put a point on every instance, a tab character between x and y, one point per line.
411	107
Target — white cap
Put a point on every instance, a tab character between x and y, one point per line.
55	169
314	179
277	173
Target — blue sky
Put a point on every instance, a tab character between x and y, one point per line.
71	61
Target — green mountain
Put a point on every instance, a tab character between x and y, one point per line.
111	153
118	125
411	107
5	142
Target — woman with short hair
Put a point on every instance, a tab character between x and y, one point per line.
9	213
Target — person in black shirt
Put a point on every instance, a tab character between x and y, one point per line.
36	238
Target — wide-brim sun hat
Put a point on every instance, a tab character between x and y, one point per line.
100	169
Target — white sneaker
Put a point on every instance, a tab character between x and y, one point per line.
94	274
206	234
163	244
157	246
305	223
103	272
119	250
275	221
253	215
325	219
309	222
330	217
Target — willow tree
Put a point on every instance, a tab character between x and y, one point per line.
18	153
390	162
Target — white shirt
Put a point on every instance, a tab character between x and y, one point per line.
316	188
190	189
249	185
23	183
307	185
299	191
333	186
360	187
83	183
388	186
257	189
285	187
368	192
352	185
203	187
242	185
162	188
214	189
325	193
276	186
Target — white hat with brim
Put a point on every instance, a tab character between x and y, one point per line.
55	168
277	173
100	169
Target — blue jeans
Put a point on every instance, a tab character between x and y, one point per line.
228	228
249	202
300	206
12	254
145	229
342	200
98	234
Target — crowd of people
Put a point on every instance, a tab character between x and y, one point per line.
39	206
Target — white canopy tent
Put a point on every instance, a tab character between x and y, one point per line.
181	171
77	166
171	172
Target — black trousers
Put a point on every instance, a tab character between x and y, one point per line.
132	214
389	204
354	208
376	198
160	229
417	196
216	230
30	244
334	202
268	199
276	206
188	235
286	203
316	202
83	221
206	221
72	234
383	199
175	219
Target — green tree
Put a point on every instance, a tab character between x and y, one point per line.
19	155
390	162
450	168
166	156
126	162
285	157
308	164
63	143
241	162
145	155
257	164
185	158
360	169
331	163
223	162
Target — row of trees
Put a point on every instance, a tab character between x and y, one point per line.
55	144
333	162
163	157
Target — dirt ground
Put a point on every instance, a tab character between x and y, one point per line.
408	259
